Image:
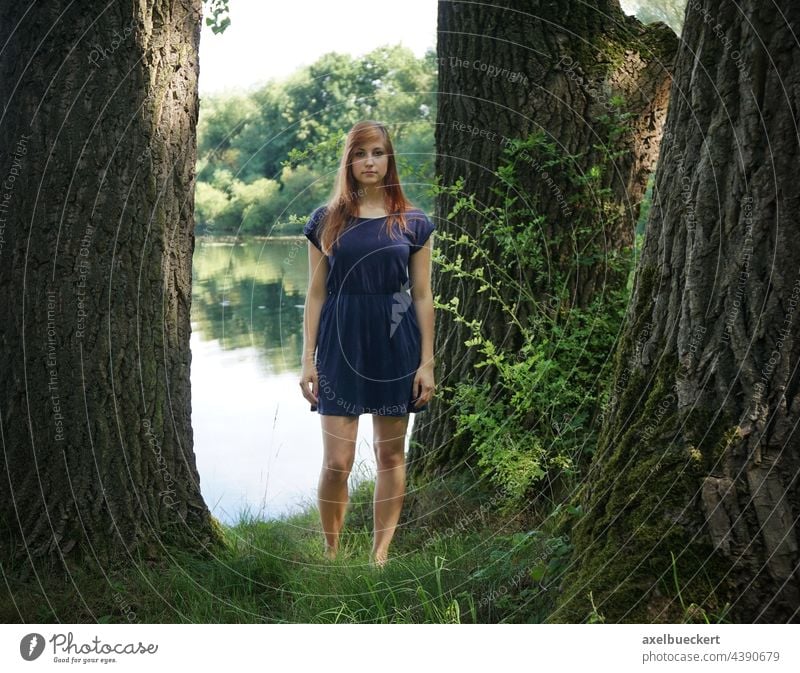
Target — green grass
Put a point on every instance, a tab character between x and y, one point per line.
446	566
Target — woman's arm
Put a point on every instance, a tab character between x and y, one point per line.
419	270
422	296
315	298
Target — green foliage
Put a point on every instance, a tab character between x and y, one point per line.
290	135
594	616
218	19
210	204
694	613
539	419
252	201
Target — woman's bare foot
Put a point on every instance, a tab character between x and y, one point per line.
378	559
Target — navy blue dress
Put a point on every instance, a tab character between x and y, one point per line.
368	343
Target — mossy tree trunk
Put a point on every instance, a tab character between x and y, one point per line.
97	141
508	70
698	459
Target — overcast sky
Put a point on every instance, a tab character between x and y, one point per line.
269	39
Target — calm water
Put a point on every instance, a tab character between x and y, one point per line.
258	447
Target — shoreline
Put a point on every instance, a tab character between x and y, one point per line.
233	239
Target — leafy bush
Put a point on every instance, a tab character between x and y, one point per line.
537	420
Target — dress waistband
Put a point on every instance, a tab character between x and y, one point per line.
390	292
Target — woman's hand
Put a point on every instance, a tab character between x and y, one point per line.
309	375
423	385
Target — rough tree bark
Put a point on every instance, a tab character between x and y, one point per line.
571	59
98	146
699	455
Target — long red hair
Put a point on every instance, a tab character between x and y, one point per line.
343	202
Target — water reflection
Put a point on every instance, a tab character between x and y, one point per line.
258	447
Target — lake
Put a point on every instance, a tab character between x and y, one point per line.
258	447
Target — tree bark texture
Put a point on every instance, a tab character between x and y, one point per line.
507	70
98	146
698	460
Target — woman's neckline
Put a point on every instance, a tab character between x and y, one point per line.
380	217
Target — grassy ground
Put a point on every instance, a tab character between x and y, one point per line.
454	559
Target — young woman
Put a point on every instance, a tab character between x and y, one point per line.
368	246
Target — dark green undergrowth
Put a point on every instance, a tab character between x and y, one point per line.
533	424
447	565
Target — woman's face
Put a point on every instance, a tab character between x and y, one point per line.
370	163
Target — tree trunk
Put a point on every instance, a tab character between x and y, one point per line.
556	68
698	459
96	241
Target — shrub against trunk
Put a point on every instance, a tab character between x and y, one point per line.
506	72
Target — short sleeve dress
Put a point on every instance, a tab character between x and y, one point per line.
368	343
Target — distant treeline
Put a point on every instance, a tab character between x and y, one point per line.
266	158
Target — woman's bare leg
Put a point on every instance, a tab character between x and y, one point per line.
389	439
339	442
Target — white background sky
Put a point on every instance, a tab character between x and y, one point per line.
272	38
